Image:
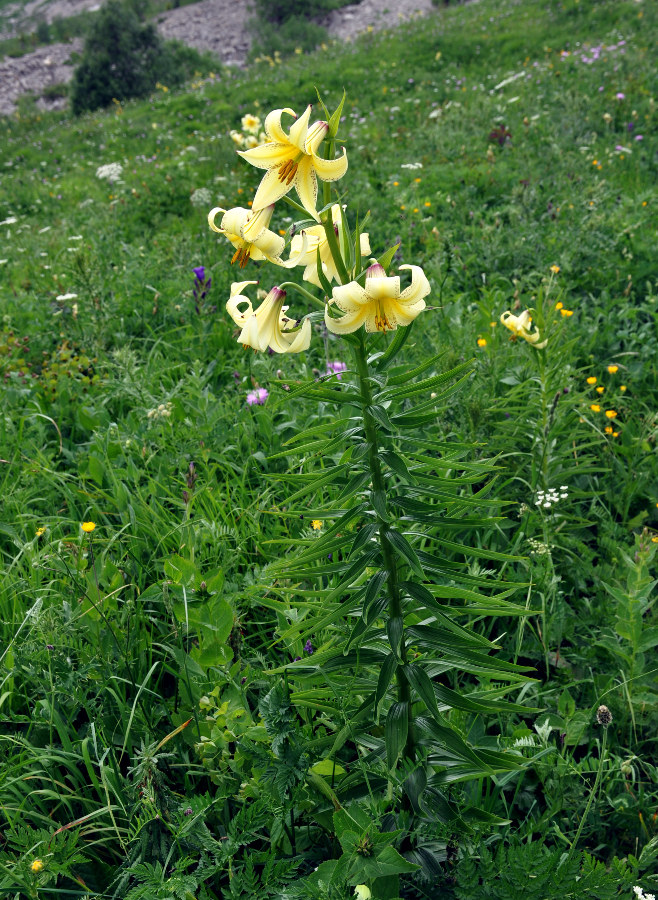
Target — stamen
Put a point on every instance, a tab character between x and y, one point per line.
287	171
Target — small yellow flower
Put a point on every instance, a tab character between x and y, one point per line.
37	865
595	162
566	313
595	407
396	184
600	389
654	539
520	327
555	269
40	531
615	434
316	524
559	305
427	203
417	180
622	387
492	324
88	527
591	379
608	429
613	369
482	342
611	413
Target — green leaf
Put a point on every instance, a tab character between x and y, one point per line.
386	259
378	413
399	340
395	462
404	549
414	785
422	684
395	632
326	286
378	498
396	730
386	673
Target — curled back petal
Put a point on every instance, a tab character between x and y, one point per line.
419	287
211	218
348	323
256	223
273	128
233	220
232	308
349	296
306	185
331	169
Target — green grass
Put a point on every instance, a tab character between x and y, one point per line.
111	642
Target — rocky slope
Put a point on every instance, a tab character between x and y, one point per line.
219	26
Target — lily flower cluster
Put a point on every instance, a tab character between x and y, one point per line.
521	327
364	296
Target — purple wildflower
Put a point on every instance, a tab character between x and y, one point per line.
297	659
189	811
620	96
200	273
639	137
308	648
630	126
257	397
335	368
201	286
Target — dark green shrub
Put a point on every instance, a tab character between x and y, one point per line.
289	36
122	59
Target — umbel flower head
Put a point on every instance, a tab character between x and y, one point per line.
521	326
291	161
380	305
316	240
268	326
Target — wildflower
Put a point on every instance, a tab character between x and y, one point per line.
257	397
608	429
248	232
201	197
362	891
236	137
88	527
268	326
380	305
316	525
600	389
36	865
592	379
595	407
611	413
40	531
559	305
291	160
250	123
250	141
66	297
622	387
316	241
10	220
189	811
482	342
308	648
613	369
555	269
336	368
110	172
520	327
603	716
566	313
620	96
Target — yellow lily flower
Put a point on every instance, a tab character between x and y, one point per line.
268	326
520	327
249	234
316	239
291	161
380	305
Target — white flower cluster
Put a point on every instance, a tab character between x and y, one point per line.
10	220
112	171
551	496
538	548
639	893
163	411
201	197
414	165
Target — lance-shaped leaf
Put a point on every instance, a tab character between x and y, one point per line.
396	731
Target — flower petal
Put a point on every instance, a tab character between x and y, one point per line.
331	169
349	322
385	288
234	220
267	155
298	130
211	218
269	190
349	297
256	223
419	287
273	128
307	186
271	245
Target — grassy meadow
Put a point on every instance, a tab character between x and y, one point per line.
198	694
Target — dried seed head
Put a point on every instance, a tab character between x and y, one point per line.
603	716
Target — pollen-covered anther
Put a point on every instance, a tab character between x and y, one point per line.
242	255
287	171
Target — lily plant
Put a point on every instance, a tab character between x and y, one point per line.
387	581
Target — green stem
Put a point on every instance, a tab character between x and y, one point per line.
592	795
390	563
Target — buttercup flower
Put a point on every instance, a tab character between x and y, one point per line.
611	413
88	527
291	161
555	269
613	369
380	305
36	865
595	407
268	326
520	327
248	232
591	379
482	342
316	525
316	239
